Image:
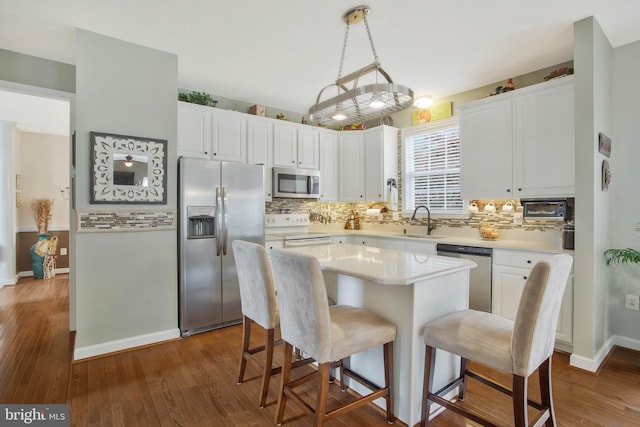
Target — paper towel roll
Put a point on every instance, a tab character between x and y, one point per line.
374	212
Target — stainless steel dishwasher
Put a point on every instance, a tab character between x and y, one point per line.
479	277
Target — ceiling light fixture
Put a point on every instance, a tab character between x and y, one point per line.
423	102
368	101
128	162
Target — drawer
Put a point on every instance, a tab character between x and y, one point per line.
519	258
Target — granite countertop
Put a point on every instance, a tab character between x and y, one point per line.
512	242
383	266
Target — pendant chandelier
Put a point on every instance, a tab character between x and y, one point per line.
357	104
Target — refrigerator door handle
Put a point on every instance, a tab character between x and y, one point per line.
224	213
218	222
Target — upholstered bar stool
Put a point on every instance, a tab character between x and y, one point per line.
325	333
517	347
259	305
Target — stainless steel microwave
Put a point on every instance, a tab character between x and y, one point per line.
545	209
296	183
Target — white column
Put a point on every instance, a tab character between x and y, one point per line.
7	203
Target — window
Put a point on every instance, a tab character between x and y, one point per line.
431	173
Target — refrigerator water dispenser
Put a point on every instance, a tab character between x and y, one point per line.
201	222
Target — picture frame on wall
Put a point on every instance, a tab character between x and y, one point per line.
604	144
128	169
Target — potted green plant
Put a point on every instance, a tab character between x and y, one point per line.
201	98
624	255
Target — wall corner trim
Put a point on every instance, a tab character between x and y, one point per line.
124	344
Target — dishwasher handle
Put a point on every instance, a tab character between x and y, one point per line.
460	249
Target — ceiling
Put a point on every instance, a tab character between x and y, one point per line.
281	53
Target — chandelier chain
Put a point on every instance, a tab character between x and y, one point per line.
344	50
373	48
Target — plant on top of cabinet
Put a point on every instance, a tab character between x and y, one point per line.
201	98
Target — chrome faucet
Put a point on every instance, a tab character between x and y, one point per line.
430	228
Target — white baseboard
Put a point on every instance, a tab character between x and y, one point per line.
30	273
8	281
625	342
594	363
124	344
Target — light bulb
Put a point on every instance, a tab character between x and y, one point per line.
376	101
339	116
423	102
129	161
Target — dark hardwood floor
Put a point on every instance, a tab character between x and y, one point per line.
192	382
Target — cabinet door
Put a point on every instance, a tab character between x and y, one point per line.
194	130
285	140
328	166
308	154
352	173
508	283
260	150
486	150
380	154
544	142
564	332
425	248
229	136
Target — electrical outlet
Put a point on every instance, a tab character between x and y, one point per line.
632	302
63	251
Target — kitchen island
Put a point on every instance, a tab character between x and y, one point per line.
407	288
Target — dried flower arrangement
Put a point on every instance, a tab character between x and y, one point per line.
41	210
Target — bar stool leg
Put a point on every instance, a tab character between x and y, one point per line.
268	360
388	380
284	381
323	392
429	362
544	373
464	365
520	401
246	335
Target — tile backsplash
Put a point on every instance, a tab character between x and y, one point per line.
340	212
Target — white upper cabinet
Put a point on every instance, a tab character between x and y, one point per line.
352	173
194	130
229	140
308	154
520	144
367	159
260	149
285	140
380	155
295	146
328	165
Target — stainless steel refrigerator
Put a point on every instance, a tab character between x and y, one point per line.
219	202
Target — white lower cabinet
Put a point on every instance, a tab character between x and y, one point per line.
510	272
425	248
274	244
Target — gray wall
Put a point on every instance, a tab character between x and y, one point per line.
33	71
593	59
126	283
626	176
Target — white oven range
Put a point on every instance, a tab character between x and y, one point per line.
293	229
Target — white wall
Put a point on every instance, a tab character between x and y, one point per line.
126	290
43	165
593	60
625	156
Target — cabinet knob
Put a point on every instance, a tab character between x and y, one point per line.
215	154
206	152
508	190
519	189
293	161
524	277
529	261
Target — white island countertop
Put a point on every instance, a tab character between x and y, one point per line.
383	266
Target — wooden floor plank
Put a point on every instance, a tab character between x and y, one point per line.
192	382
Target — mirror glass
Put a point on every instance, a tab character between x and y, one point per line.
130	169
127	169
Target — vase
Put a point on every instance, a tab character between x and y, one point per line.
37	261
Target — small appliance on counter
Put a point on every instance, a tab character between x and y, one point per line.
568	235
552	209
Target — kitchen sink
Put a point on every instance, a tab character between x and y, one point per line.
421	236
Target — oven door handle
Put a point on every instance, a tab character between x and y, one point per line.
307	242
